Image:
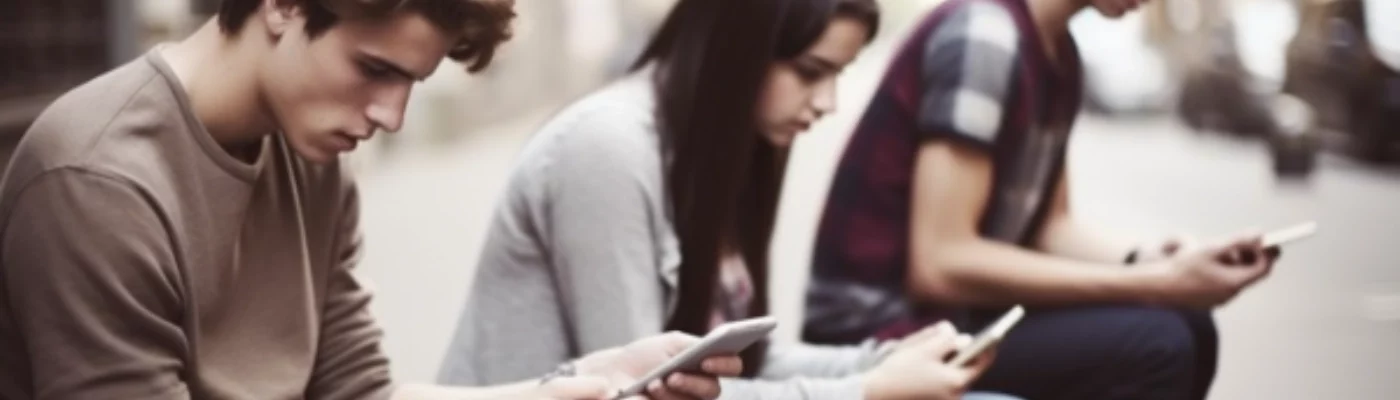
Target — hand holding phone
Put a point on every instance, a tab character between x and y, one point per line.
1218	273
989	337
1290	234
727	339
1271	243
933	364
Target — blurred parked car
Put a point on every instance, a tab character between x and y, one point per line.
1348	73
1231	58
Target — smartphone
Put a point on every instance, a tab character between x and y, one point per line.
727	339
989	337
1288	235
1273	241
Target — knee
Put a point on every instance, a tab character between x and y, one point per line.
1154	339
1201	324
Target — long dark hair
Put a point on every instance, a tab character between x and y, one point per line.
713	57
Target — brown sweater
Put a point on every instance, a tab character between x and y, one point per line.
139	260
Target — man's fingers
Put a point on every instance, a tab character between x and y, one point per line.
977	365
962	340
983	361
963	376
680	339
944	328
962	379
675	342
723	366
942	331
1258	270
692	386
658	391
939	329
1243	250
940	347
1250	266
1249	241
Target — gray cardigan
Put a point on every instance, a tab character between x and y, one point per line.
581	256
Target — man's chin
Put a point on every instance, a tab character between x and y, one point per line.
317	155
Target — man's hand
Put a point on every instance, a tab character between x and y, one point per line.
1214	275
918	369
624	365
930	332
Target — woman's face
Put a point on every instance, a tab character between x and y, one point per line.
799	91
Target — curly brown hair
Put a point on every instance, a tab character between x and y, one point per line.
480	25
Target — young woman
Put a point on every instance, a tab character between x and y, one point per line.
648	206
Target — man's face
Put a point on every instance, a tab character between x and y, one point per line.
328	93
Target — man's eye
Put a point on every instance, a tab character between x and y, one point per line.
374	71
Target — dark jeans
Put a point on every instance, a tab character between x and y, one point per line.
1107	352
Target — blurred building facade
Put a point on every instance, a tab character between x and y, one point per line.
48	46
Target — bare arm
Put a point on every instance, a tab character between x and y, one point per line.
952	263
967	80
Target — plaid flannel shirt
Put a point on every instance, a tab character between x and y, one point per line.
973	73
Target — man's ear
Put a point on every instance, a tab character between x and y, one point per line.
280	15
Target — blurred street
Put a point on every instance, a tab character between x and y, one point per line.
1326	325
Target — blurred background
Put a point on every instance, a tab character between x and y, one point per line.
1202	116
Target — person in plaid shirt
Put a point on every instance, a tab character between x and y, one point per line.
951	202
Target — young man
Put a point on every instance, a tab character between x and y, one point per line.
951	201
180	228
